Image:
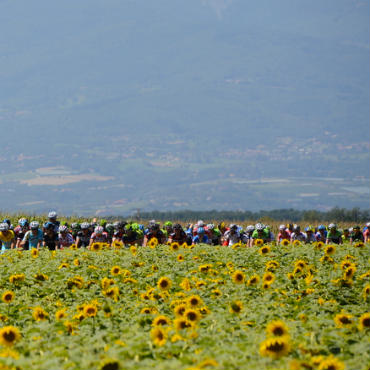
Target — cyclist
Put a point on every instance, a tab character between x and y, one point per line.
167	229
133	235
297	234
65	237
357	235
246	237
154	231
201	236
334	235
321	234
52	216
51	239
34	236
346	236
98	236
83	236
309	235
75	228
232	236
178	235
367	232
283	234
119	226
7	237
214	234
20	232
260	233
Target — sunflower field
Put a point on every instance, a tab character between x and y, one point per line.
179	307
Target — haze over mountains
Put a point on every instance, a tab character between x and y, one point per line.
108	106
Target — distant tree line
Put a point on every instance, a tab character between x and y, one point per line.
336	214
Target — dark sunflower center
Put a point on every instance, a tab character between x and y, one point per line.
9	336
276	347
191	316
278	331
164	283
366	322
345	320
111	366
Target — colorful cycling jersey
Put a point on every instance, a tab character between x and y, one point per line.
6	239
298	236
131	238
357	237
65	240
321	237
334	236
232	238
197	239
283	235
100	238
265	235
310	238
33	239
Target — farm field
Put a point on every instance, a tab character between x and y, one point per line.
171	307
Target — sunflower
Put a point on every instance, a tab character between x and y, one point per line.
268	277
180	324
238	277
277	328
95	247
319	245
61	314
266	285
272	265
366	291
90	310
15	279
161	320
73	246
180	258
301	264
326	258
205	268
364	321
343	320
285	242
34	253
346	263
164	283
194	301
275	347
8	296
106	283
109	364
297	271
115	270
158	336
329	250
63	265
117	244
296	243
9	335
349	272
253	280
216	293
112	292
133	250
258	242
146	310
39	314
153	242
180	310
192	315
264	250
236	307
331	363
174	246
41	277
76	262
359	245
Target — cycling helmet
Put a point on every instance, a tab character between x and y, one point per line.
210	226
296	227
52	214
307	229
63	229
23	222
368	224
168	223
121	224
34	225
250	228
75	225
332	226
85	225
321	227
7	221
233	226
99	230
177	227
109	227
200	223
103	222
48	225
200	230
4	226
268	227
259	227
282	227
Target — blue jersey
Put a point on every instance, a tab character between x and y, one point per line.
197	240
33	240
